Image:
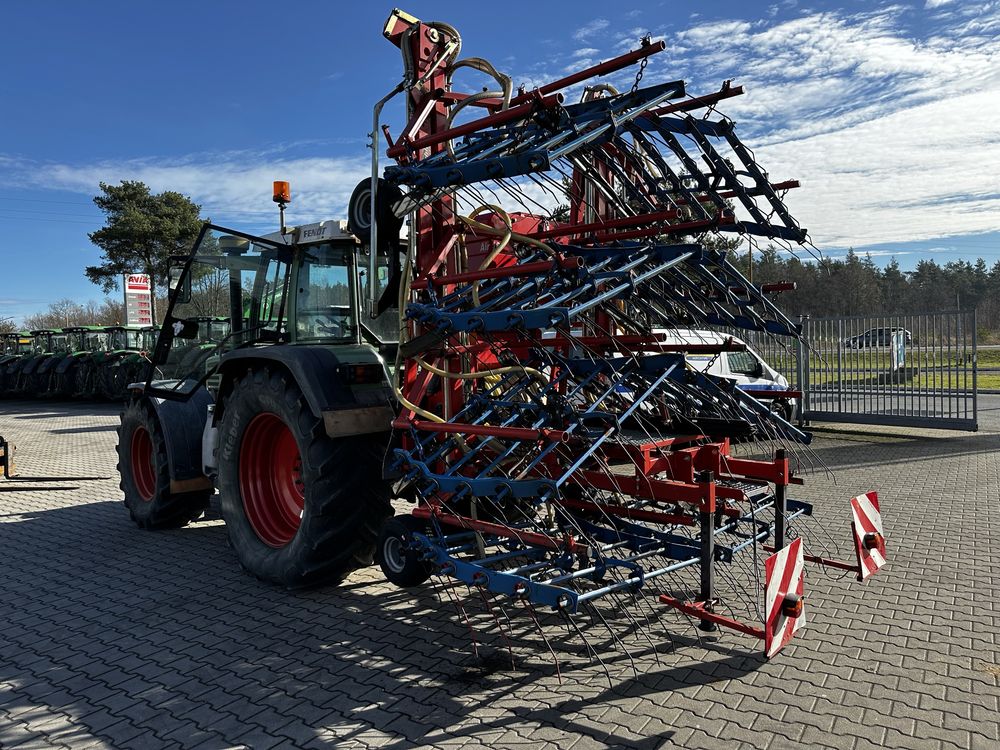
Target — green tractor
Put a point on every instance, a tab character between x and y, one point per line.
49	346
13	347
124	363
69	375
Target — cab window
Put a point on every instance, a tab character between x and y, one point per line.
323	298
743	363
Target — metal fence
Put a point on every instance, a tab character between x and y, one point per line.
908	370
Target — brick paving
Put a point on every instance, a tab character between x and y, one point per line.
115	638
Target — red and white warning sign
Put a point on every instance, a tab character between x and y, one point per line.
784	597
869	539
138	300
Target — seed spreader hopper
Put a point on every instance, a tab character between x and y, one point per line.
558	445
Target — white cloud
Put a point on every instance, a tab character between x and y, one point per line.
890	122
232	187
936	3
920	173
589	29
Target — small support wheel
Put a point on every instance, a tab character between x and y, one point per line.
400	563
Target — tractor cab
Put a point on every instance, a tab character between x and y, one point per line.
41	341
86	339
301	288
14	344
124	338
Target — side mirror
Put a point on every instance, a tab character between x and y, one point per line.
180	281
758	369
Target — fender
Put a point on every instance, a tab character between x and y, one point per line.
182	423
68	361
33	364
314	369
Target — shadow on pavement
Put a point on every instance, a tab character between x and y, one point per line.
158	635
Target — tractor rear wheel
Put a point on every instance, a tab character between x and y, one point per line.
145	473
83	377
301	508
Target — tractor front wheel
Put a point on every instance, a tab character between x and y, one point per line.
301	508
145	473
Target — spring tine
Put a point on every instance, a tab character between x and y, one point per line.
541	631
590	650
464	615
506	640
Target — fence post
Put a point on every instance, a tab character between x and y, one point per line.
802	371
840	366
975	368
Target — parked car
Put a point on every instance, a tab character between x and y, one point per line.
875	337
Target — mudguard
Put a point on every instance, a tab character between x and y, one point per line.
182	423
66	362
313	368
33	364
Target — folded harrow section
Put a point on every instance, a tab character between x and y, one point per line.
559	444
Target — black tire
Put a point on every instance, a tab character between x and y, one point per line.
782	408
63	384
147	491
83	380
334	499
400	563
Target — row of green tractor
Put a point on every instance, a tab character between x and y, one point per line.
86	362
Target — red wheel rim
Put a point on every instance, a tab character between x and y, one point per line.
271	480
143	472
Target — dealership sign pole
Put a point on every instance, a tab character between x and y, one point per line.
138	300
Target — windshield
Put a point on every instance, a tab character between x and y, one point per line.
95	341
149	338
123	339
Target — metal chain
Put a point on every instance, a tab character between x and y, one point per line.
642	68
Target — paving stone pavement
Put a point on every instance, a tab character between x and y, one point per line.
111	637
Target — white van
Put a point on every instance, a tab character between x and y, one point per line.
747	368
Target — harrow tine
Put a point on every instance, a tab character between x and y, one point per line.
541	632
465	616
489	608
591	651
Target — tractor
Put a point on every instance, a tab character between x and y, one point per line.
285	408
31	373
123	363
13	346
70	375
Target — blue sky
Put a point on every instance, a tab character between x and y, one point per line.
888	113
